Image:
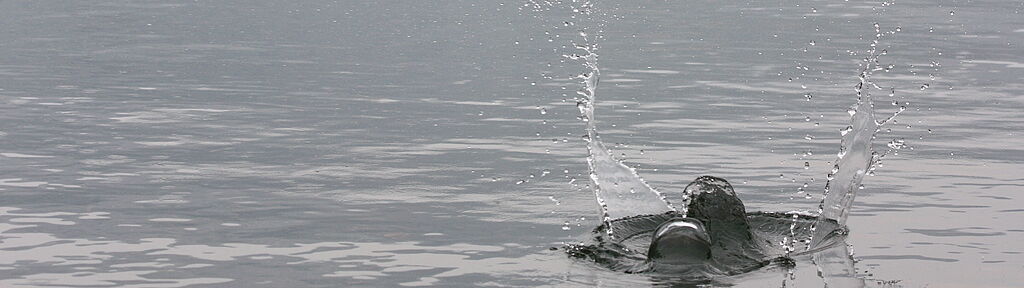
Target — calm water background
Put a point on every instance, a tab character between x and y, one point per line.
339	144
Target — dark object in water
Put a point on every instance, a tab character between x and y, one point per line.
716	237
682	241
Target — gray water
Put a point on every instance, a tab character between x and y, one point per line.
346	144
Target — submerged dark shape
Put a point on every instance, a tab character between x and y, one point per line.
727	235
681	241
715	237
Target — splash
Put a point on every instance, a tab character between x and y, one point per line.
622	193
619	190
856	156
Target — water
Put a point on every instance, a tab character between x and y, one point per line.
618	188
736	241
327	144
633	212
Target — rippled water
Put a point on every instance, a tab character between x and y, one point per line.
338	144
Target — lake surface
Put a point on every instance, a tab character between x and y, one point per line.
358	144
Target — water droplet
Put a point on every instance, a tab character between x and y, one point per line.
924	86
845	130
807	165
543	111
811	43
896	144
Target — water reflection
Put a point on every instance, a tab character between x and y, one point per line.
835	266
44	259
287	125
831	267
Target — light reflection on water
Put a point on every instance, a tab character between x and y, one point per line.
80	262
323	144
